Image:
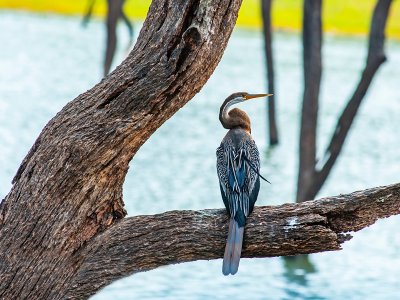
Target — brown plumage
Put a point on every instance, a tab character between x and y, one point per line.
239	118
234	117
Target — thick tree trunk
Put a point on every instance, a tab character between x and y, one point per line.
68	189
266	17
312	60
311	178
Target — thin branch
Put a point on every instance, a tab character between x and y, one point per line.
312	57
88	13
376	56
143	243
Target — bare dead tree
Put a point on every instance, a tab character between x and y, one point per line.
267	30
114	13
312	59
311	178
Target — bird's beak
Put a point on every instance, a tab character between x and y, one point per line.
251	96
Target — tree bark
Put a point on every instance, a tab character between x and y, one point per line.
68	188
312	61
266	17
143	243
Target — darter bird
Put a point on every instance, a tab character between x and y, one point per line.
238	168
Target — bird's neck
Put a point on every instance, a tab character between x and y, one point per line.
234	118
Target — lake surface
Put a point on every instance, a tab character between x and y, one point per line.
47	61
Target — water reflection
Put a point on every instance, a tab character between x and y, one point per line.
297	270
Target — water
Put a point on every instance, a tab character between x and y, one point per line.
46	61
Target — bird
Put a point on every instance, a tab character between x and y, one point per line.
238	169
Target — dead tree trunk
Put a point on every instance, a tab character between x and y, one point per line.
312	59
114	12
312	178
68	188
266	17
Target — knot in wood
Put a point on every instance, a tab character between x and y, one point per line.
192	36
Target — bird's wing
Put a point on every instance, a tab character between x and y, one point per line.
252	158
222	171
238	170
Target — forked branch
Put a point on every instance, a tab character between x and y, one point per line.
311	178
376	57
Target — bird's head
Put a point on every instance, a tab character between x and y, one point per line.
237	117
241	97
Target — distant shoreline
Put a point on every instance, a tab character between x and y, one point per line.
340	17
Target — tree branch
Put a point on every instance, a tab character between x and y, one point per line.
376	56
143	243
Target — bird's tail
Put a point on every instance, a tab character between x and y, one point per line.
233	248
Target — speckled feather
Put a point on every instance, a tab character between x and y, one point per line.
239	181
